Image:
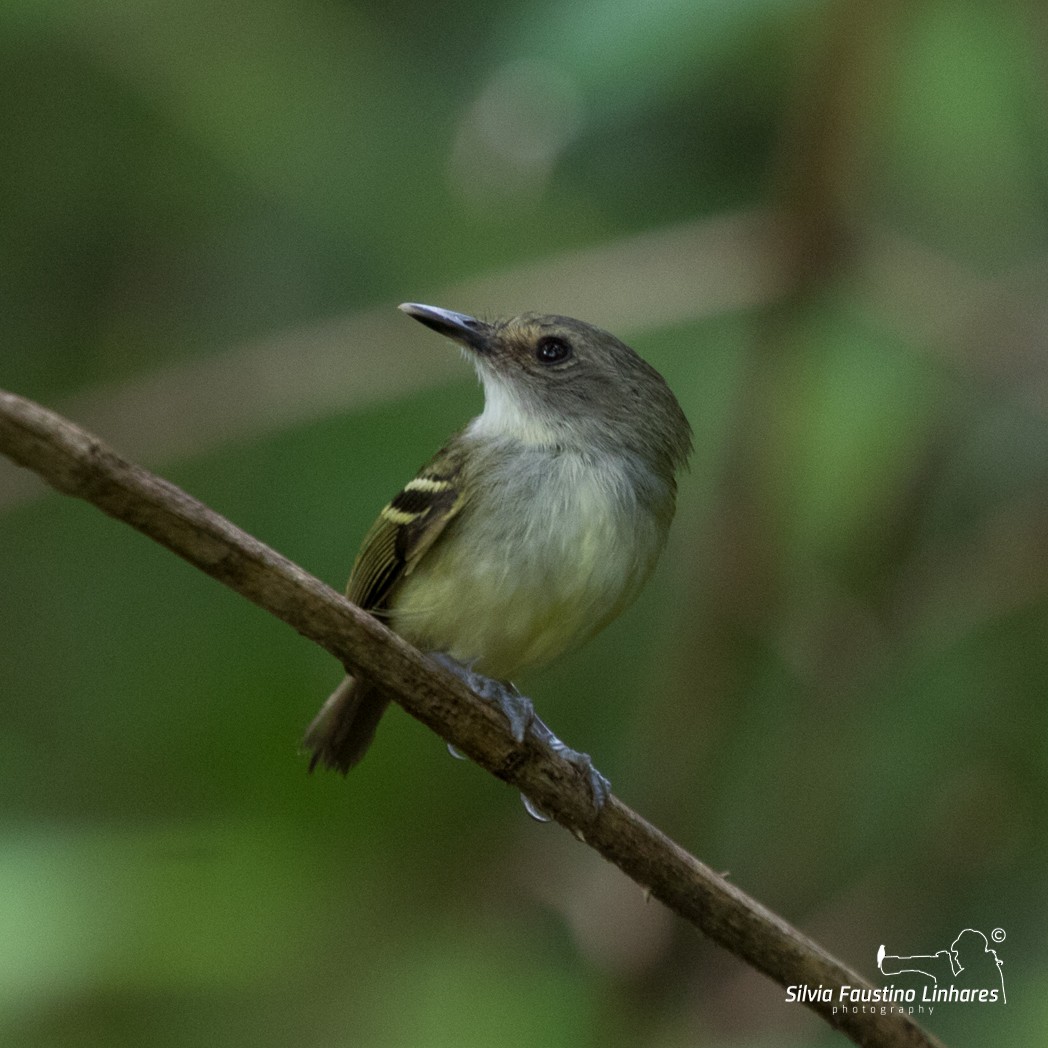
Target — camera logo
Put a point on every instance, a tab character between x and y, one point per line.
968	970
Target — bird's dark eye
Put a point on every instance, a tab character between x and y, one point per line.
552	350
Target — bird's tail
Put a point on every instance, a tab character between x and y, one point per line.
343	729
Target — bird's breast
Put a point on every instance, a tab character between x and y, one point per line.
544	554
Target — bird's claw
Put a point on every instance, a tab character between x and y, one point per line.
520	714
600	787
516	708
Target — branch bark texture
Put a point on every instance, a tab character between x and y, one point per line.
80	464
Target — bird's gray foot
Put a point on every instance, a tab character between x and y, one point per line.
599	786
520	713
516	708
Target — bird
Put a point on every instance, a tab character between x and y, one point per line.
529	530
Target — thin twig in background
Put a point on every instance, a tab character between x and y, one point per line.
241	393
732	262
79	464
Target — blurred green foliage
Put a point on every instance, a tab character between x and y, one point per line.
835	686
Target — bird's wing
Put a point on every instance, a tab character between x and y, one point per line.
406	528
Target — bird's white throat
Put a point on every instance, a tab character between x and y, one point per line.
505	415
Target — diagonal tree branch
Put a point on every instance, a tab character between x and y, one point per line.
79	464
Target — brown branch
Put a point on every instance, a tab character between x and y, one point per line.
79	464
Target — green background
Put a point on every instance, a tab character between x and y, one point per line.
835	686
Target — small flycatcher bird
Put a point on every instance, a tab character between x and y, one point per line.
531	529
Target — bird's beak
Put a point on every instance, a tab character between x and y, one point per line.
468	331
